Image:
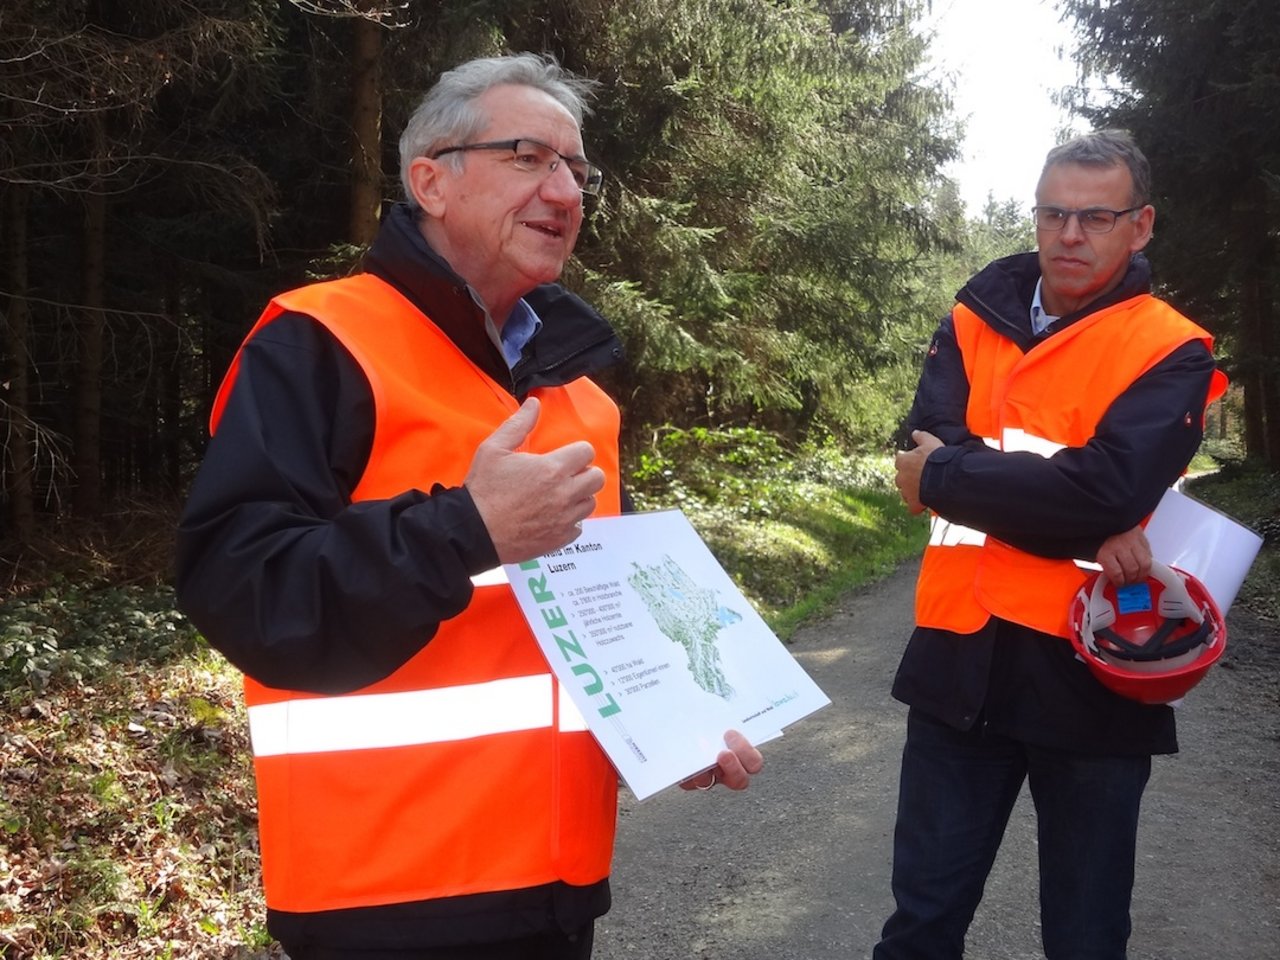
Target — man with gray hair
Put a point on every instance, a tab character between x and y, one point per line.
381	445
1058	401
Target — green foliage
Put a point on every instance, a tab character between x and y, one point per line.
719	468
1000	230
758	243
70	633
795	528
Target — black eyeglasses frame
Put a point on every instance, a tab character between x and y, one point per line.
1066	215
593	175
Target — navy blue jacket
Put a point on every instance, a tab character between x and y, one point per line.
1009	678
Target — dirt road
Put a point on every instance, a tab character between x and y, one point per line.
797	868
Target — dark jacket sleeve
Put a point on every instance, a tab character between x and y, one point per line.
1067	504
299	587
942	394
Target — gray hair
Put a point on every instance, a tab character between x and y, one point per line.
447	115
1106	148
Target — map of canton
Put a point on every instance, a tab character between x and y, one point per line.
690	615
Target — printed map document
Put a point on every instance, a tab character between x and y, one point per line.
658	649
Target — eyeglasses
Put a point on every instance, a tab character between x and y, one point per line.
1091	219
532	156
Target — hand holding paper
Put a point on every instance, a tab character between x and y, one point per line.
734	767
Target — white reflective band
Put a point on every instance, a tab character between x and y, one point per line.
491	578
370	721
991	442
944	533
1015	440
571	719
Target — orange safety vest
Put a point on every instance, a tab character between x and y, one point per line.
467	770
1040	401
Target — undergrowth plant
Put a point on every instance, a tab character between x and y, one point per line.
127	817
794	527
70	632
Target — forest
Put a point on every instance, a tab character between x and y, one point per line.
774	241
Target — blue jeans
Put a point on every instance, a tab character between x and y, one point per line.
956	793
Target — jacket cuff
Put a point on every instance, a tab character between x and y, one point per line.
934	475
467	532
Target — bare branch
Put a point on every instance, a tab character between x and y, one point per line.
385	14
46	445
92	70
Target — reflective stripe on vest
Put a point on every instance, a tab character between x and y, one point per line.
945	533
467	770
368	722
1040	402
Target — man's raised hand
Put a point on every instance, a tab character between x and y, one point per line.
531	503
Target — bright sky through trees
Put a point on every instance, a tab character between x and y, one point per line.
1005	58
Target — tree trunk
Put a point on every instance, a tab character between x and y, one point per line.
1250	370
88	422
1269	372
366	126
17	447
1259	347
169	386
1266	265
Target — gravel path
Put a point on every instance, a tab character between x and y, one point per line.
797	868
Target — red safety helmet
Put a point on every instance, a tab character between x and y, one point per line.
1150	641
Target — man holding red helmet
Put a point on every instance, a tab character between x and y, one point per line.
1058	401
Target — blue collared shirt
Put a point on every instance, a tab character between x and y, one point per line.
519	329
1040	318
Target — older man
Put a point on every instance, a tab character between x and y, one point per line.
380	444
1058	401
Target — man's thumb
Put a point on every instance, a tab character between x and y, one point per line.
517	427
